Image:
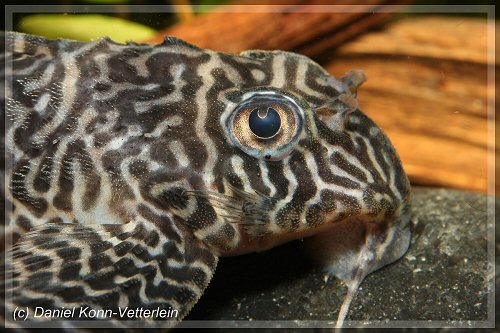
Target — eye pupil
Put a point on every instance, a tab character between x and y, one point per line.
264	123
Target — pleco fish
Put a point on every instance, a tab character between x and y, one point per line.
132	168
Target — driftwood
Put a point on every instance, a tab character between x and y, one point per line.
427	78
309	29
429	92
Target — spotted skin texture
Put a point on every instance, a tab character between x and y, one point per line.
126	187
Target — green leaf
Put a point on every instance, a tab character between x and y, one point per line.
85	27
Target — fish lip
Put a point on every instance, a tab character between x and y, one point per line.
249	244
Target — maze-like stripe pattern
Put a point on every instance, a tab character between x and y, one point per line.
135	136
125	265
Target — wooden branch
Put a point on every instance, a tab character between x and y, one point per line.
305	29
429	92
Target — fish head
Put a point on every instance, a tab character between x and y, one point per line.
295	154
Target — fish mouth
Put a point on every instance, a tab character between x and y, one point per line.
250	244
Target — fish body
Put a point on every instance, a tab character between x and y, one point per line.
132	168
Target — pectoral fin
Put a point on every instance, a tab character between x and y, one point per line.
138	264
355	248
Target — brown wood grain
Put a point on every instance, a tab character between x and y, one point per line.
308	29
429	92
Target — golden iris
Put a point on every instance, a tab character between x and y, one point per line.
265	124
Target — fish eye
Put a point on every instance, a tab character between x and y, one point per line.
264	122
266	125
